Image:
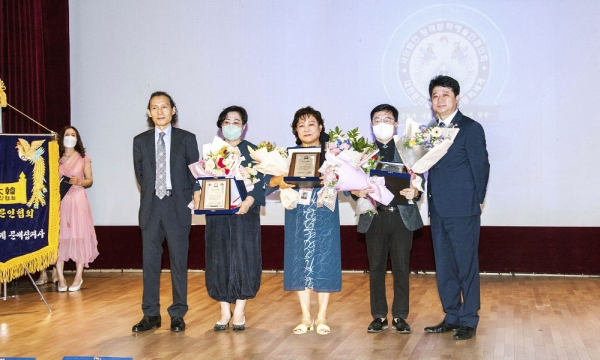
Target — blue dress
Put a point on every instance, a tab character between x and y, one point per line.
312	256
233	247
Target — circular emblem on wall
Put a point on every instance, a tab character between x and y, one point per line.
451	40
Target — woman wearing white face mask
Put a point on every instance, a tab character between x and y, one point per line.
233	242
77	237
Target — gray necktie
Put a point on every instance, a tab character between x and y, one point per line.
161	167
442	124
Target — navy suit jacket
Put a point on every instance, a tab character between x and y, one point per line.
184	151
457	183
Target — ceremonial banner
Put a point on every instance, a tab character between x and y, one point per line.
29	204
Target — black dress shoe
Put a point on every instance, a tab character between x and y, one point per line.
464	333
377	325
177	324
401	326
147	323
442	328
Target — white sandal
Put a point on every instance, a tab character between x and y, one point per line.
322	327
304	326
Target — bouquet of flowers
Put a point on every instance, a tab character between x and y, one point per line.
222	162
424	146
272	160
356	149
348	161
222	159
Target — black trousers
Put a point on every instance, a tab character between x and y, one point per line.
163	223
388	235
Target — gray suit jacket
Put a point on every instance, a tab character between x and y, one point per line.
184	151
409	213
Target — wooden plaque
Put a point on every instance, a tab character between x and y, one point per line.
215	194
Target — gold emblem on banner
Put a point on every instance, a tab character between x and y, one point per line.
33	153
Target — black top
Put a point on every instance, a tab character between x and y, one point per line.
388	150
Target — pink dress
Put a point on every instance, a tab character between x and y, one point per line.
77	238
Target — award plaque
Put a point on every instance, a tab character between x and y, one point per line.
220	195
391	167
304	167
395	180
215	194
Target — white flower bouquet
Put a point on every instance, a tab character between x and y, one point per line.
423	147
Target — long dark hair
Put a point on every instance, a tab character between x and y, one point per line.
78	147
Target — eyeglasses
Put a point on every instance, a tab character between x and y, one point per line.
236	123
386	120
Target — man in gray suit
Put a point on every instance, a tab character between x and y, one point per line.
390	232
161	157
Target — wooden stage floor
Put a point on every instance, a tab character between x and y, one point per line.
522	317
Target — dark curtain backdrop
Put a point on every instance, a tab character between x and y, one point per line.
34	64
502	249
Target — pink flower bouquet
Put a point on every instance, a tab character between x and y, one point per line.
348	161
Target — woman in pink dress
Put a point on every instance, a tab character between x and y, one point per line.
77	238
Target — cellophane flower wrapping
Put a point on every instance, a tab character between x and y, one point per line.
274	160
422	147
270	159
348	160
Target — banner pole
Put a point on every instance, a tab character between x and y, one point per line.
38	290
3	101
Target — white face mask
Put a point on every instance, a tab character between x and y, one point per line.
231	132
69	141
384	131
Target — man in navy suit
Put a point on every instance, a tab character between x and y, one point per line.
456	189
161	157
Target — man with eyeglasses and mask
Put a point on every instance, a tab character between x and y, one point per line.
390	232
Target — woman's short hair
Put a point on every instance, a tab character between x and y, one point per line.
303	113
234	108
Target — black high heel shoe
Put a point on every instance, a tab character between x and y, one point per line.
240	327
221	327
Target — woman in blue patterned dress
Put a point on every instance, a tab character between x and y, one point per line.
312	260
233	242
